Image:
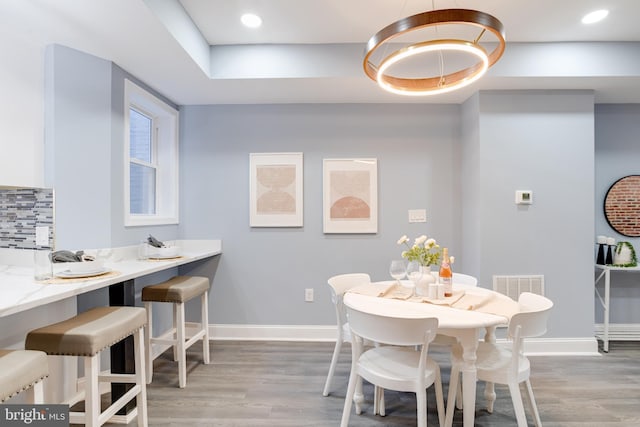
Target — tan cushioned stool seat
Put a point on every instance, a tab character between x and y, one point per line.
87	333
177	289
19	370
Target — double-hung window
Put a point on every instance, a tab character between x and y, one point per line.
151	159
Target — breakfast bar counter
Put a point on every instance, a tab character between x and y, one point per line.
19	291
26	303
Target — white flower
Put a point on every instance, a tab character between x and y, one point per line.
403	239
420	240
424	250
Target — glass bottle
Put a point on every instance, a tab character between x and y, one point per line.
446	274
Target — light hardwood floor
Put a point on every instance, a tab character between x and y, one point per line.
280	384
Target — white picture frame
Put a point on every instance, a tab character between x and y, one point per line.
276	189
350	195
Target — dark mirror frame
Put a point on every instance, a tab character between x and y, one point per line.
622	206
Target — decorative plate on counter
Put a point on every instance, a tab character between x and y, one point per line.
66	274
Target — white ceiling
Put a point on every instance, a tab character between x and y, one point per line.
134	35
355	21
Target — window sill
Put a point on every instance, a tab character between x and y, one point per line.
142	221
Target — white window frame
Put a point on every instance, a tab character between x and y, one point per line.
165	156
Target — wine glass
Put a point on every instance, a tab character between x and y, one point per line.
414	273
397	270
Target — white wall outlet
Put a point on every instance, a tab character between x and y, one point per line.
524	197
417	215
308	295
42	235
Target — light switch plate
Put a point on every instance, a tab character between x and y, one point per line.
417	215
42	236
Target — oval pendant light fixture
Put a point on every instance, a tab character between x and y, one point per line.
446	80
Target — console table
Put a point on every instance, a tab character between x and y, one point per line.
606	273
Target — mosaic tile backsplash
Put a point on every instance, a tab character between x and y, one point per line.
21	211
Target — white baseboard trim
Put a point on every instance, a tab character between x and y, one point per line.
587	346
316	333
620	331
584	346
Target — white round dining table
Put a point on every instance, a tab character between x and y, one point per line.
465	325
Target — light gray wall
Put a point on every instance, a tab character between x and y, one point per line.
84	156
541	141
617	154
470	194
263	272
78	146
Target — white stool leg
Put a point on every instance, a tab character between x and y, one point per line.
180	336
92	407
141	399
148	334
175	328
204	315
35	394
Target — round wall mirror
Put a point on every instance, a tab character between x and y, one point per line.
622	206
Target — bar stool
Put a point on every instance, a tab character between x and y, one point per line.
178	290
23	370
85	335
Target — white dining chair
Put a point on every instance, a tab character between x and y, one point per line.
461	279
464	279
395	364
339	285
507	366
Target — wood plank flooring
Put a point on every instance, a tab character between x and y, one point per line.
280	384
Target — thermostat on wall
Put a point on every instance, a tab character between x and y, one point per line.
524	197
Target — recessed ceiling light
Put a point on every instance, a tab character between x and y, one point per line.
595	16
251	20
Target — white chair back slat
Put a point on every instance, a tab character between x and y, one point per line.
533	316
339	285
464	279
392	330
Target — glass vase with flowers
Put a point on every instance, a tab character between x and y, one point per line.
425	251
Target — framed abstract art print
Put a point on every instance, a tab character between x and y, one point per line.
275	181
350	195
